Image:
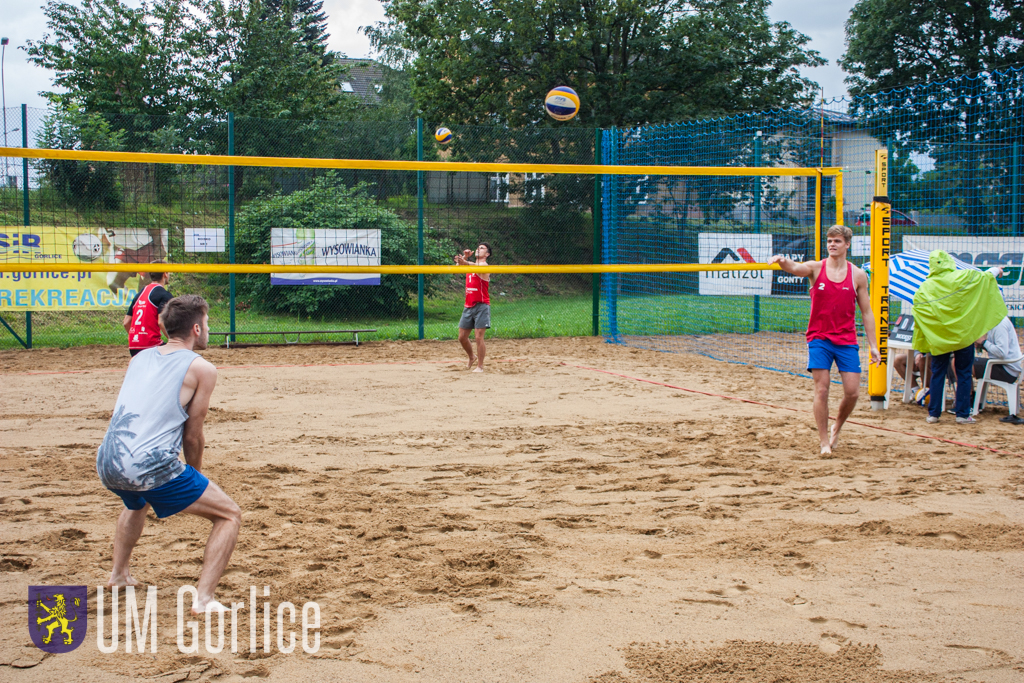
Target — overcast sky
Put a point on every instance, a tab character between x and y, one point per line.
822	20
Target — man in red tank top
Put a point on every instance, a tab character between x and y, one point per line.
836	287
476	315
142	321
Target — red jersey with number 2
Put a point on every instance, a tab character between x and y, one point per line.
145	330
477	290
832	309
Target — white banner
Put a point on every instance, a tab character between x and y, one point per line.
324	247
983	252
729	247
200	240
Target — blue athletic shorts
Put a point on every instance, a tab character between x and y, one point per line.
172	497
821	353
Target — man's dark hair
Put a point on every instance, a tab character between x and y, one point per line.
181	313
156	276
490	251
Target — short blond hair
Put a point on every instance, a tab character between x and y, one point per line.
840	231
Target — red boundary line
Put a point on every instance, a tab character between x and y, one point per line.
795	410
239	367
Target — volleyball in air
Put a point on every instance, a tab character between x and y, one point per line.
87	247
443	135
562	103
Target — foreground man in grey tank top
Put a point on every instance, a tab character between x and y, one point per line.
158	415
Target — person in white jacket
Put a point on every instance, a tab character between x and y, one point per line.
1000	343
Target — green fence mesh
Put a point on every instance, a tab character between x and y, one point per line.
954	184
145	212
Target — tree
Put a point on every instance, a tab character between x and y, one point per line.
925	75
639	62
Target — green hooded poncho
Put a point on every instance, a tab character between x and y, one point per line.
953	308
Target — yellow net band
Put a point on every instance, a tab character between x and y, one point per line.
386	270
370	164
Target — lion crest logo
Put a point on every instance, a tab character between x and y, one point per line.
58	617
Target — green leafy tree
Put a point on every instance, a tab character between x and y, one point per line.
83	184
639	62
925	74
327	203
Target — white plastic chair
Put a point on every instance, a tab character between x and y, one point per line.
1010	389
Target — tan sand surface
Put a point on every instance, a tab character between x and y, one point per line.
539	522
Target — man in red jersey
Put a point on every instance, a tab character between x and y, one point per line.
143	319
836	286
476	315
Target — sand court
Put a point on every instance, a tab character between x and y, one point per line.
542	521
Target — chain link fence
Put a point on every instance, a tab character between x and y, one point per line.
141	212
954	184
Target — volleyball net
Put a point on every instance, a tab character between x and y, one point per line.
307	243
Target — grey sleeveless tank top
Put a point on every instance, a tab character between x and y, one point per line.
141	447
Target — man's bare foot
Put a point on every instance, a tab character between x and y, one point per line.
478	369
834	441
122	581
472	362
210	607
826	450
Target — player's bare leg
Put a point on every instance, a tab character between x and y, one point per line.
216	506
126	535
467	346
481	350
851	391
821	387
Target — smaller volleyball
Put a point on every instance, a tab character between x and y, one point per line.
87	247
562	103
443	135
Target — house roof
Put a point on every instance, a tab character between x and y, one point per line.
363	79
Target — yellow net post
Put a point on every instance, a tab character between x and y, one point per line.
881	240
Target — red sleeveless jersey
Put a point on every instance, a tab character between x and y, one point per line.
477	290
144	332
832	309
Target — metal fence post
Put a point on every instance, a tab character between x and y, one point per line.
596	277
757	225
231	223
611	242
25	208
1015	188
419	225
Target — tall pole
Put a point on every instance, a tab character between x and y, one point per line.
25	208
881	242
419	225
757	224
1015	188
3	92
231	223
596	277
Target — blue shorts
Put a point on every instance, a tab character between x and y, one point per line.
172	497
821	353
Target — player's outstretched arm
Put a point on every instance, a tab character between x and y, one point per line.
793	267
860	283
203	376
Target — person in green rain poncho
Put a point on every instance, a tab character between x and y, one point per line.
952	309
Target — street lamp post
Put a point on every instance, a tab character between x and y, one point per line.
3	94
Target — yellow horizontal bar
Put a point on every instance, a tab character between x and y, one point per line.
386	270
370	164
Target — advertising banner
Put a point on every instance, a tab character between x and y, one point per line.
324	247
728	247
70	291
204	240
983	252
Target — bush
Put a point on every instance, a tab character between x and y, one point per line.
329	204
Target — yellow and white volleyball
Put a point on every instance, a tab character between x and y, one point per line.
443	135
87	247
562	103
